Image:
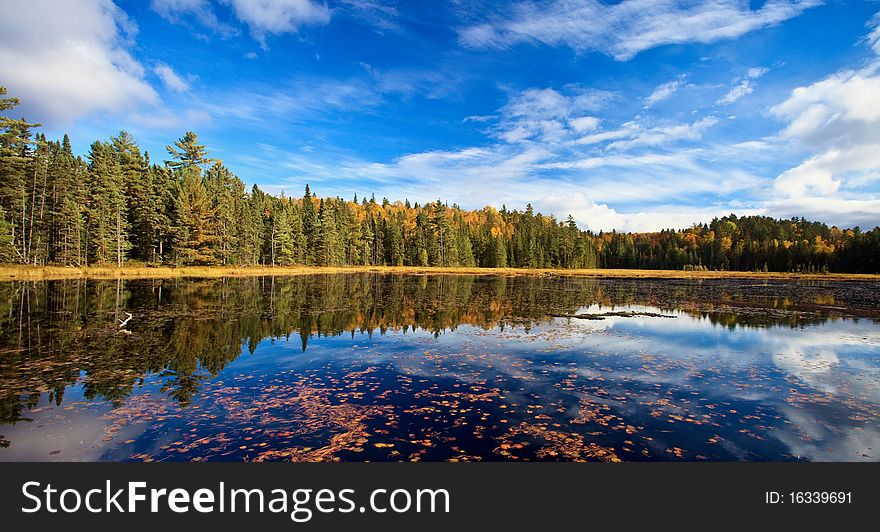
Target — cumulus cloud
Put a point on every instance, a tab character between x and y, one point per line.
838	118
837	121
70	59
625	29
602	217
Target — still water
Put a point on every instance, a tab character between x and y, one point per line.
463	368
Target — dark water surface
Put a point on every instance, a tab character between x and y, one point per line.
392	367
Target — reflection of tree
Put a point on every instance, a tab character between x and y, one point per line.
54	333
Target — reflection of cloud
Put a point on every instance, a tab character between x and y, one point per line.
76	433
820	443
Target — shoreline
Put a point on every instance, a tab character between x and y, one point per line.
41	273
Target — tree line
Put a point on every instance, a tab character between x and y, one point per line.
116	206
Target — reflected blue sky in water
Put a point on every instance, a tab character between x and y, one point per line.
761	393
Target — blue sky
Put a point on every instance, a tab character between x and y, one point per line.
634	115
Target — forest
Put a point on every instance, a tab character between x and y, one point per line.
116	206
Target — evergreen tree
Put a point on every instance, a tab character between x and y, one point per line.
187	153
142	212
57	208
7	243
328	251
194	234
284	234
106	221
310	227
15	157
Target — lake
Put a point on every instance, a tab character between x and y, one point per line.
377	367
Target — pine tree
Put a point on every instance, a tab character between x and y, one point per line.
328	252
194	233
106	223
7	243
187	153
365	246
309	228
223	188
165	191
66	206
15	156
283	240
142	212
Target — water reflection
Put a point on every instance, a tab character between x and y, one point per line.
382	367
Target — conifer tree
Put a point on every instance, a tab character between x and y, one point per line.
284	241
194	233
142	207
309	227
106	222
7	244
187	153
15	156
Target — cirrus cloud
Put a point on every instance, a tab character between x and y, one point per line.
625	29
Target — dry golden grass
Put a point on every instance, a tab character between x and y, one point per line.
15	272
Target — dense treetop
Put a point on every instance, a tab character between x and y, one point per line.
116	206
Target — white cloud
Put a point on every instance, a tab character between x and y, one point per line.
874	37
170	78
662	92
262	17
601	217
548	115
268	17
656	136
836	111
752	145
843	212
736	92
584	123
70	59
169	121
756	72
742	87
627	130
377	13
837	122
478	118
176	10
624	29
302	99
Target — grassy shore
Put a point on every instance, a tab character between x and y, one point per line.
16	272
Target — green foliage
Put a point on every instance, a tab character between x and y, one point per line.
187	153
7	244
56	208
195	234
